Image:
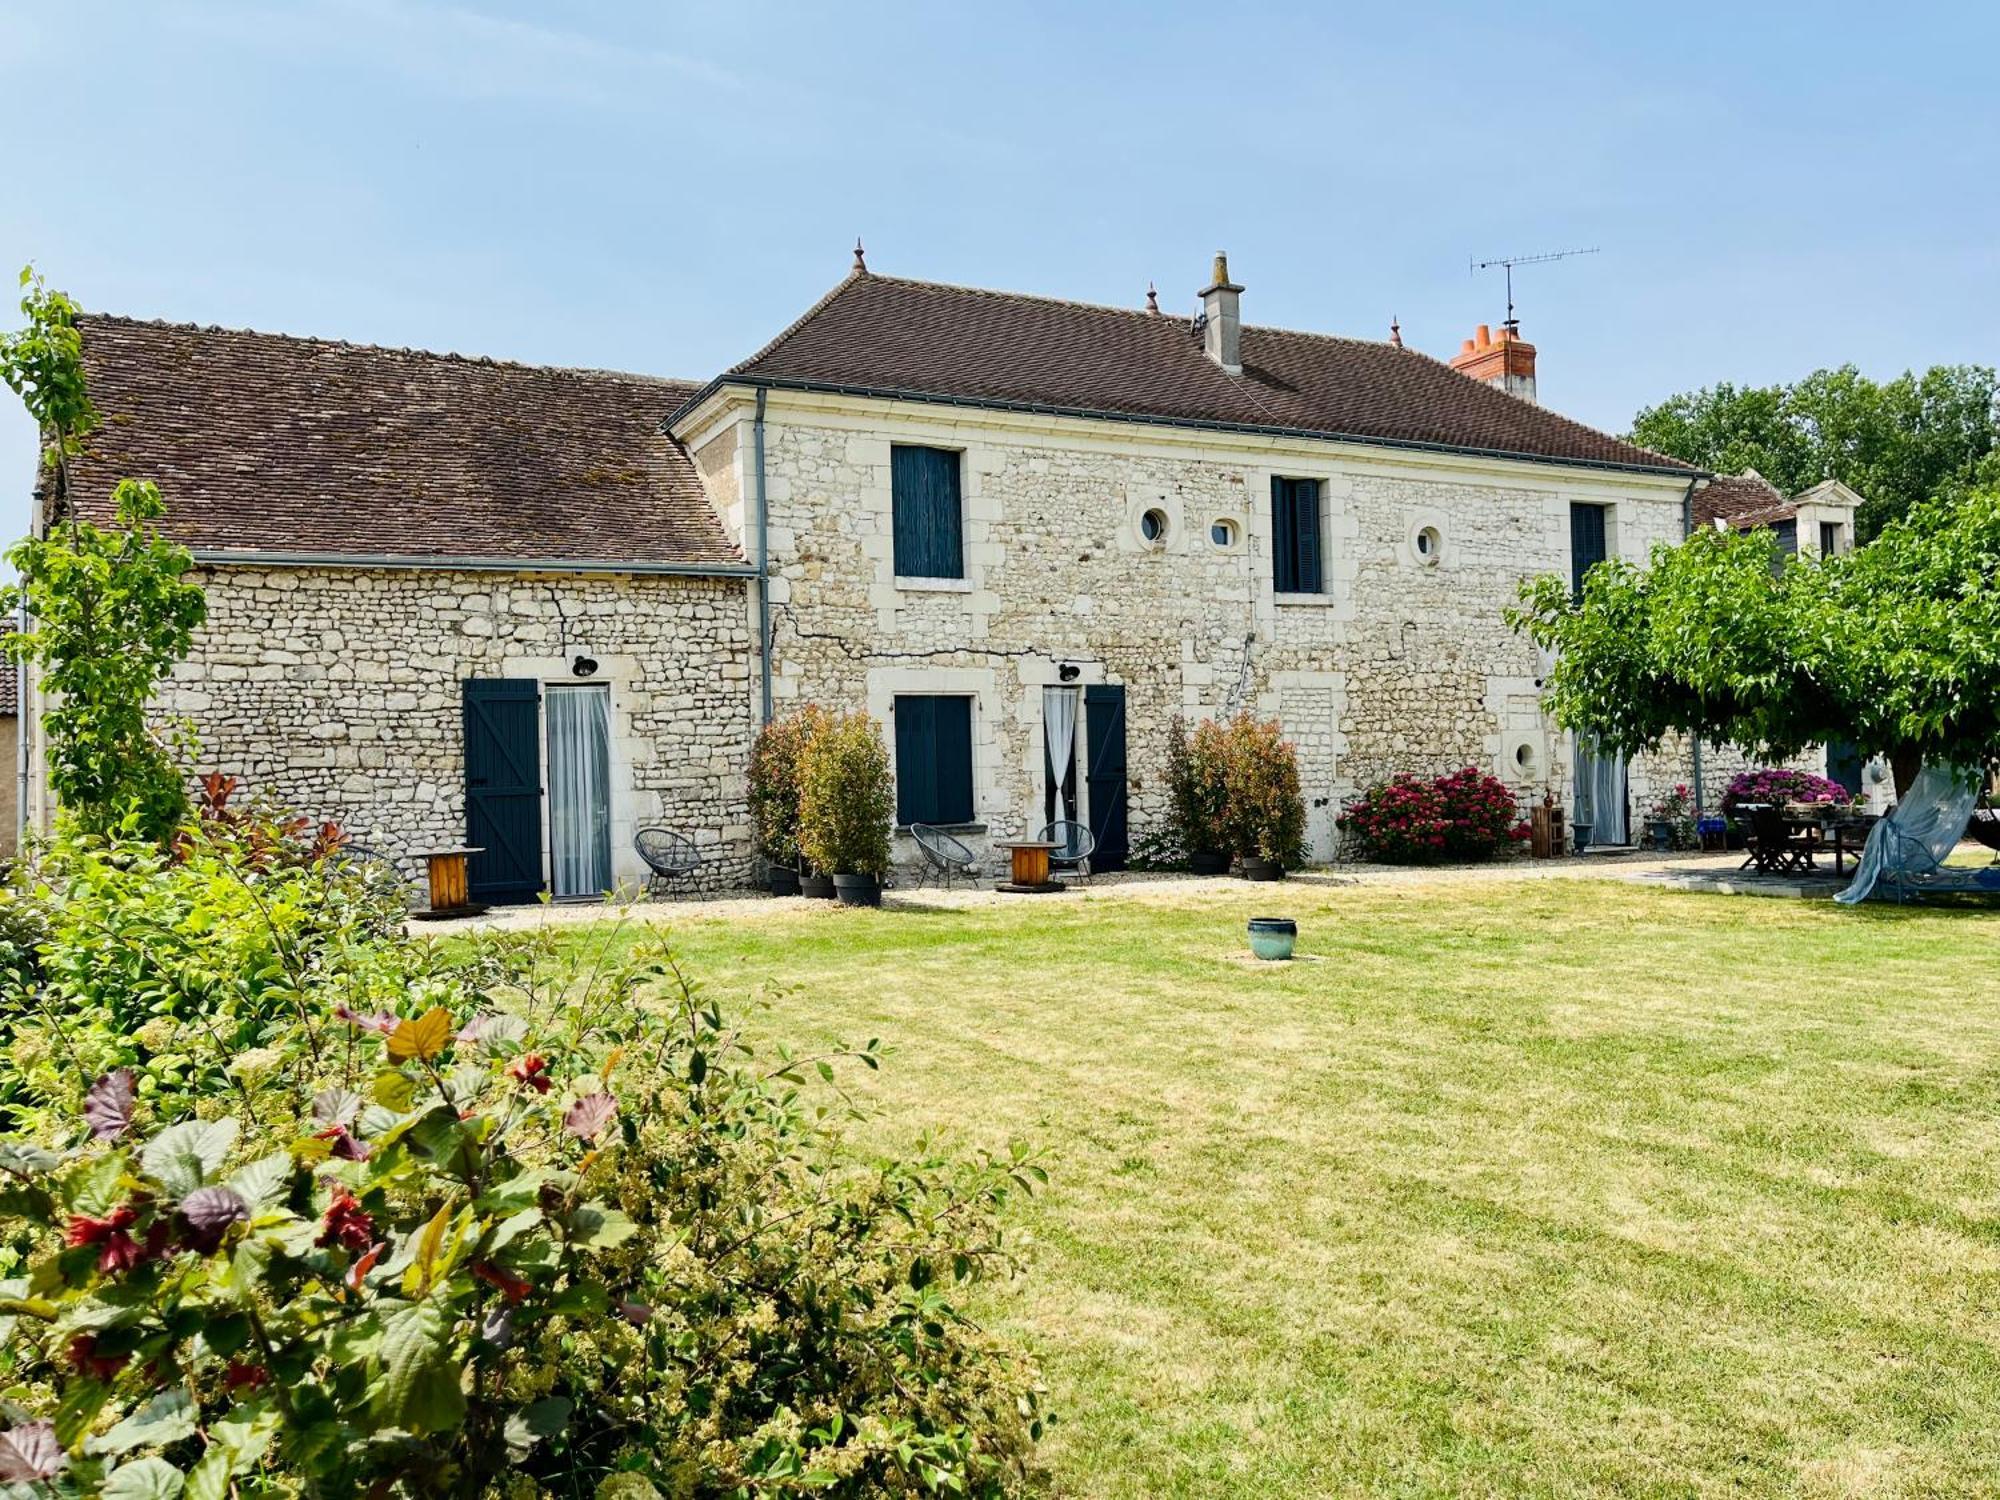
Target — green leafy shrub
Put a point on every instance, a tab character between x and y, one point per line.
846	797
1264	813
1197	786
774	783
1425	820
540	1222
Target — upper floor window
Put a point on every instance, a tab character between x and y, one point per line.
1295	536
1829	538
1589	541
924	499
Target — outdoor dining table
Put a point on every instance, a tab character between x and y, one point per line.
1840	835
1028	867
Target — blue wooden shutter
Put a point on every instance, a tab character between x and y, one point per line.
503	786
924	503
1295	536
1305	517
1586	541
933	759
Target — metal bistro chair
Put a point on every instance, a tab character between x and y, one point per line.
670	856
944	855
1074	844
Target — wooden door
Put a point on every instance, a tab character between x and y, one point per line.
503	787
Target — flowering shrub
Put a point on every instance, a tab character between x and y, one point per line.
1676	810
505	1219
1413	820
1779	784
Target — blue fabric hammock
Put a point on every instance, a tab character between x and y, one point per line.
1906	852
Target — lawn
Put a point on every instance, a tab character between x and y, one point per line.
1547	1187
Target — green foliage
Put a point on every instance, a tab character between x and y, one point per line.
1264	813
846	796
545	1223
110	612
1197	786
774	782
1896	443
1466	815
1895	646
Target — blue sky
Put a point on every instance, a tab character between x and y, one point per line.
660	187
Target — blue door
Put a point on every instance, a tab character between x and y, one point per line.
503	787
1104	773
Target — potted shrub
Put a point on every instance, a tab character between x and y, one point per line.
1670	822
1266	815
774	795
1197	793
846	806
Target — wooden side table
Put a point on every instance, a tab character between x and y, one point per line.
1028	867
450	890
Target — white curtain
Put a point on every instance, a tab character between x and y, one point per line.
1600	793
580	789
1921	831
1059	725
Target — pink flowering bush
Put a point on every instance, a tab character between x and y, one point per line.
1780	784
1415	820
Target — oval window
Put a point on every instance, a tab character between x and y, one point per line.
1223	533
1430	545
1153	526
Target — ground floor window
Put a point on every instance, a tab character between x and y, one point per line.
933	758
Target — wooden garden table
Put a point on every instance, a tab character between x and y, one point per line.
1028	866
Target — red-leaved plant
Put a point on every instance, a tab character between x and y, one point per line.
1429	820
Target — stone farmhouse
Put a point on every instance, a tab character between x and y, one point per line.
535	609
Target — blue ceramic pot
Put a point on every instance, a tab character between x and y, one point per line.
1273	937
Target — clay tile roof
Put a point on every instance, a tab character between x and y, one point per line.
1741	501
10	690
886	335
264	443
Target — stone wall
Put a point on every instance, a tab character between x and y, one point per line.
1405	662
338	690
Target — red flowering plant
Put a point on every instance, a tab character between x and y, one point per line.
1418	820
546	1221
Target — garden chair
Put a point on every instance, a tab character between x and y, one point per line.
670	856
1074	844
1775	849
944	855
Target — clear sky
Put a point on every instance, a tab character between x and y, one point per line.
661	187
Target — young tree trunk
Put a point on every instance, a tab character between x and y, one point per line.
1905	762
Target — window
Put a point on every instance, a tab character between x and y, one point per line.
1829	538
923	489
1430	545
933	759
1223	533
1588	544
1153	527
1295	535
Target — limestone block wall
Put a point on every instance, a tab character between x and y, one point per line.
339	691
1405	662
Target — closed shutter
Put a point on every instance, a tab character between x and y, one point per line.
924	503
1104	761
1586	541
933	759
503	787
1295	536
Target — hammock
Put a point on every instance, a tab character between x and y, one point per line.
1906	851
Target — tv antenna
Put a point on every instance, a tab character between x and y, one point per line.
1508	262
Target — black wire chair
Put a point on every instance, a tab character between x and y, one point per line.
944	856
670	856
1074	844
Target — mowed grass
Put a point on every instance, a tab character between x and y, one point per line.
1550	1187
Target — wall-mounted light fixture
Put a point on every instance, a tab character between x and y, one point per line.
1069	671
584	666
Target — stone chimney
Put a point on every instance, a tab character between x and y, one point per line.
1507	362
1222	318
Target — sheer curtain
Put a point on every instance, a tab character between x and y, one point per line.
1059	725
1600	786
580	789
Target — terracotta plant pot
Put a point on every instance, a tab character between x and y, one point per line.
858	890
816	887
1261	869
1273	937
1208	864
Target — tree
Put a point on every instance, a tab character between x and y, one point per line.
109	611
1895	444
1895	646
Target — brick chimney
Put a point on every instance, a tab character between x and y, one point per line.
1222	318
1507	362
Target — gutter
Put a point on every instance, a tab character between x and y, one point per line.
763	570
762	384
1687	534
403	560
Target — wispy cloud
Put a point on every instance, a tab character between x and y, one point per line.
456	50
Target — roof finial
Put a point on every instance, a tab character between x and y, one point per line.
1152	299
860	264
1395	331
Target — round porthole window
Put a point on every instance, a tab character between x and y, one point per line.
1153	526
1429	542
1524	758
1222	532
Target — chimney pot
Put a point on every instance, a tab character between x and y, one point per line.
1222	318
1507	362
1484	336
